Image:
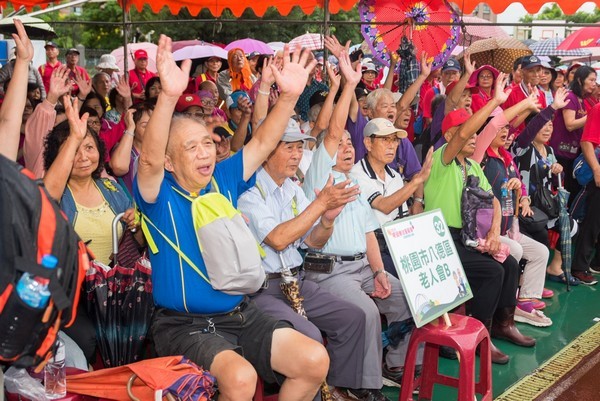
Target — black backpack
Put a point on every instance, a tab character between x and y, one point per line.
32	226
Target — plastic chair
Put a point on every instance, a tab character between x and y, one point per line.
259	395
465	335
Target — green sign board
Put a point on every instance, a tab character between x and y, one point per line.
430	271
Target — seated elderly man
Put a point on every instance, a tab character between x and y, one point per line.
381	186
350	265
282	218
224	333
494	283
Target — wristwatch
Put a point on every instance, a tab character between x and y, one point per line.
420	200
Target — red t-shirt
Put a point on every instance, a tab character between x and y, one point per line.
140	78
591	133
46	73
518	94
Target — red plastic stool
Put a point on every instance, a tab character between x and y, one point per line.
260	395
465	335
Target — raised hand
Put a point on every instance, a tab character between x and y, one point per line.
173	79
352	76
123	87
333	45
425	66
334	79
267	75
59	84
84	85
245	106
423	175
469	65
24	51
78	126
499	94
335	197
292	78
560	99
129	122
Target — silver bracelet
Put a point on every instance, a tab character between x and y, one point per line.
263	93
129	133
420	200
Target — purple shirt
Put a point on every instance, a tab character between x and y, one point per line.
565	143
406	161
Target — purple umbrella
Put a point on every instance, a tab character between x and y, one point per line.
249	45
199	51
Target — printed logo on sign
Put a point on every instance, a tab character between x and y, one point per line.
439	226
405	232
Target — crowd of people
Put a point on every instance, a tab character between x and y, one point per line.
317	157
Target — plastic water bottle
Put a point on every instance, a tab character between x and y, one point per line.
55	377
33	290
506	201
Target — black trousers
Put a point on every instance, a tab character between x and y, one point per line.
494	284
589	230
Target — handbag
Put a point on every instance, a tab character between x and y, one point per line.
582	171
543	198
534	223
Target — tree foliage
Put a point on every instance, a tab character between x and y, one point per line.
109	36
554	12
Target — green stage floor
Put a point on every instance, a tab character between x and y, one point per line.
572	313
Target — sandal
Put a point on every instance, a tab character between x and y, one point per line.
561	279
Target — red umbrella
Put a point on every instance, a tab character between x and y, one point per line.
582	38
410	18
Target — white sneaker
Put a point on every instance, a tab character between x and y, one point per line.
534	318
595	269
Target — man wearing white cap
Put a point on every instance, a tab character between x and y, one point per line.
282	219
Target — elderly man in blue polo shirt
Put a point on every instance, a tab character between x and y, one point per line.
224	333
357	274
282	218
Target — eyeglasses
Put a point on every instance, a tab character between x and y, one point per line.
389	140
196	115
208	102
94	123
486	76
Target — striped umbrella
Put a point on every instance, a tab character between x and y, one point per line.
548	47
564	224
310	41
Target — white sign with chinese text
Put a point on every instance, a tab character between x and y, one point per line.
432	276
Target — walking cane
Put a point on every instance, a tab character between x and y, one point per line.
291	289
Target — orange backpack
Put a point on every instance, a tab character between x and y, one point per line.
32	226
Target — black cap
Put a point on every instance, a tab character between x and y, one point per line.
72	50
530	62
317	97
51	44
451	65
361	92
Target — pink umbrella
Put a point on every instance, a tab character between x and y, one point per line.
249	45
310	41
131	48
484	31
199	51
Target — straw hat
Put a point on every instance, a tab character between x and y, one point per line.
108	62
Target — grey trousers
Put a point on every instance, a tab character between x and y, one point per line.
341	321
353	281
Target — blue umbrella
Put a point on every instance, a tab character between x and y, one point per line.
548	47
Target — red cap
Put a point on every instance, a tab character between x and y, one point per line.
454	119
186	101
141	53
452	84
